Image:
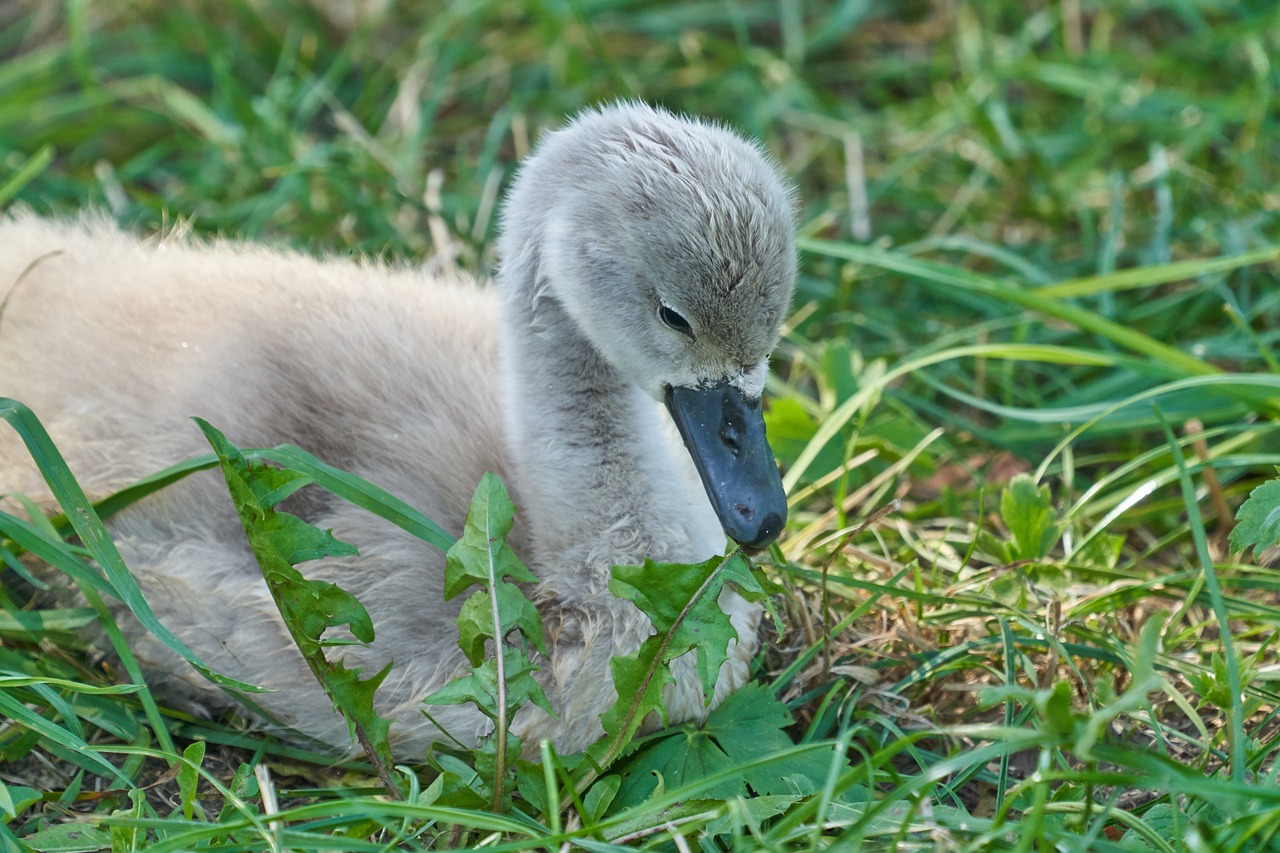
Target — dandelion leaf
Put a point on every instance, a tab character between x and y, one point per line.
491	622
475	619
480	686
638	678
664	592
482	553
681	603
483	558
310	608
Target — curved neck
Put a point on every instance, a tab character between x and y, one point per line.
600	478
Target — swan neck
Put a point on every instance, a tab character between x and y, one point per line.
599	477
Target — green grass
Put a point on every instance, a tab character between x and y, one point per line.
1037	240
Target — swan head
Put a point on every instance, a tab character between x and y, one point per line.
670	245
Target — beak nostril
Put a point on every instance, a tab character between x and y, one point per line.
745	511
730	439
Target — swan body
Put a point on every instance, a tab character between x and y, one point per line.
612	379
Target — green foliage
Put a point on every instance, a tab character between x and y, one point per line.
1021	227
681	603
82	517
310	608
189	776
1213	685
749	724
1165	822
1083	731
68	838
484	688
483	558
1027	511
1258	521
500	682
15	799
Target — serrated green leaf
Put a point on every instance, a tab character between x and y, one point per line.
480	686
501	685
482	554
482	557
1258	521
259	486
299	542
638	679
280	539
687	756
310	608
752	722
475	620
317	606
681	602
666	591
353	696
1028	513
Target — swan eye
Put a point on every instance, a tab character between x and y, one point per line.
673	319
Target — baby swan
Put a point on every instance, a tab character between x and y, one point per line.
613	380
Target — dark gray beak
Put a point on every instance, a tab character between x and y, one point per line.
724	432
